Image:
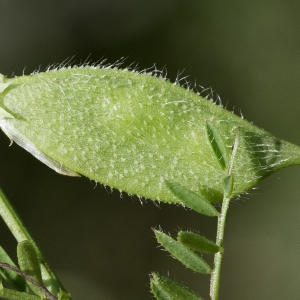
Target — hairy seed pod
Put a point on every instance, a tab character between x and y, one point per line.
130	131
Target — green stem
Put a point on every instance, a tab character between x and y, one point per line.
215	276
19	231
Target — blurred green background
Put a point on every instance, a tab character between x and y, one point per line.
100	243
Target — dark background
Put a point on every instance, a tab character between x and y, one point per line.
100	244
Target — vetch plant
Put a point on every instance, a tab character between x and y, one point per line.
141	134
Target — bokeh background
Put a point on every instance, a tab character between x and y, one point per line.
100	243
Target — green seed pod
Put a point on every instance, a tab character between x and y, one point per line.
130	131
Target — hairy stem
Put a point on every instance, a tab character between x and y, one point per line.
215	276
20	233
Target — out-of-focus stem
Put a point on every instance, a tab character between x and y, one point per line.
19	231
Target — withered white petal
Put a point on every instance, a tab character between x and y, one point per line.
14	135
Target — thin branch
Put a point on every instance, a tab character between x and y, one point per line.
28	278
215	276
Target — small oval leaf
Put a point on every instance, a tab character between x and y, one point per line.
217	145
158	292
198	242
166	289
191	200
182	253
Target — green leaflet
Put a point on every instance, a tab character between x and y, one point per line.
186	256
198	242
166	289
192	200
218	146
130	131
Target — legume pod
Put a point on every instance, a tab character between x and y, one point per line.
130	131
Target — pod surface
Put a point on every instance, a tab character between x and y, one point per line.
130	131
